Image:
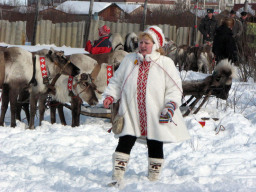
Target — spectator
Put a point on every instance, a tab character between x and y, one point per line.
103	45
237	30
242	43
224	46
149	87
208	26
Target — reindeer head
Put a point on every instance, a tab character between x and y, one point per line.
222	77
63	64
223	73
86	89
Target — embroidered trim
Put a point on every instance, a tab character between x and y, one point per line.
141	95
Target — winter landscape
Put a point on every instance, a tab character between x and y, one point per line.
219	157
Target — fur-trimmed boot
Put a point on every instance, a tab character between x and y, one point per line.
120	161
154	168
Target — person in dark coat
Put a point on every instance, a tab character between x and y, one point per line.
224	46
208	26
103	45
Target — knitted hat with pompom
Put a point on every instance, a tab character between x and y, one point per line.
104	30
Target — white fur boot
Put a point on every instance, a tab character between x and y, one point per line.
154	168
120	161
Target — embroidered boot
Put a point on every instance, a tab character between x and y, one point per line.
154	168
120	161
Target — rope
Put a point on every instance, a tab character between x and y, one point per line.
221	128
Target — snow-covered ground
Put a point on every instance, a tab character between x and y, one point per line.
62	158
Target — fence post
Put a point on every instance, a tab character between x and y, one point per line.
87	29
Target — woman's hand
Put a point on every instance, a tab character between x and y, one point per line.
108	101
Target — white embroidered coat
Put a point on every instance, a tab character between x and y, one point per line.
163	85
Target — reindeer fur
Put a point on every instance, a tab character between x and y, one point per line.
117	41
131	42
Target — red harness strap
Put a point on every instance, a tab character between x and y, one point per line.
70	82
109	72
43	67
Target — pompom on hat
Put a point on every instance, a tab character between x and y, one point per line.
104	30
157	35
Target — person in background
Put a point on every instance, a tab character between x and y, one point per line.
243	40
208	26
150	91
237	30
224	46
103	45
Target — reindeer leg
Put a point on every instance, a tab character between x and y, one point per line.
18	110
5	102
26	110
75	111
53	111
42	100
61	114
22	104
33	101
13	95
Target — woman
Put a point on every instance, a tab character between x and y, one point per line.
224	45
149	88
103	45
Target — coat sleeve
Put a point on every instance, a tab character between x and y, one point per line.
114	87
240	28
173	83
201	27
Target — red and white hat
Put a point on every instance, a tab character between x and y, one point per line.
104	30
157	35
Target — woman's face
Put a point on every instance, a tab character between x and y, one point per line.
145	46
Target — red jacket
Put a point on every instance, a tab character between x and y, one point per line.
103	45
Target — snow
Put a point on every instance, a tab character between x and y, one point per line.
128	8
81	7
61	158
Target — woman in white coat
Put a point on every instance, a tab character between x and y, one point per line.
150	91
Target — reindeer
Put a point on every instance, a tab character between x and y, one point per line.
117	41
91	81
131	42
190	57
21	72
199	59
217	84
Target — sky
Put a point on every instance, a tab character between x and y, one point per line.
57	158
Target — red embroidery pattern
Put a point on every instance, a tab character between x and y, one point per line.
141	95
70	83
43	67
109	72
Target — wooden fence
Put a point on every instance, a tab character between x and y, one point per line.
72	34
13	32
